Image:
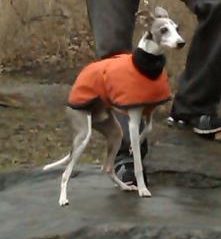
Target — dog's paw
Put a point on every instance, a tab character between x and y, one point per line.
144	192
133	188
63	202
126	187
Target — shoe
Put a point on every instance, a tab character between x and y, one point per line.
124	164
124	169
204	124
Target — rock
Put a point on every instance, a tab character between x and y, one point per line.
29	209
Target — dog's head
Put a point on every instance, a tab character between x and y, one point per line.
160	28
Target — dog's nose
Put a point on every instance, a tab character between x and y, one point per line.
181	44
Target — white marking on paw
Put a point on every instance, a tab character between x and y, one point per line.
129	187
144	192
63	202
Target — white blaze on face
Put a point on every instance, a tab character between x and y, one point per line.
149	46
166	34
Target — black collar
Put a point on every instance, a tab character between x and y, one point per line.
148	64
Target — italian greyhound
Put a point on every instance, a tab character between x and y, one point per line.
162	32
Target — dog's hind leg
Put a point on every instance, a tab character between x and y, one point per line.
80	142
134	123
147	129
111	129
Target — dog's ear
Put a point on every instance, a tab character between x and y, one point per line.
145	17
161	13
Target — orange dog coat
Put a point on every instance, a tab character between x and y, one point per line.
117	82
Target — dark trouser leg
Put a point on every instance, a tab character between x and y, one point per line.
112	22
199	88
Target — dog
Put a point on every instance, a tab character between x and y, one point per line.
100	89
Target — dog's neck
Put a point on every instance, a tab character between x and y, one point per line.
148	57
148	45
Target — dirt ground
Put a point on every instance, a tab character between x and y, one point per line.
34	128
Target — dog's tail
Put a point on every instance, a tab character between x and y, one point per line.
57	163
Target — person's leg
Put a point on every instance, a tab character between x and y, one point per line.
199	88
112	23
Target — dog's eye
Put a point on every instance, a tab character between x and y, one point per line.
164	30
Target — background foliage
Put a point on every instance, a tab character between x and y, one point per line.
53	38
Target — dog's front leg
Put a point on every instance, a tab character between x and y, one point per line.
134	123
147	129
